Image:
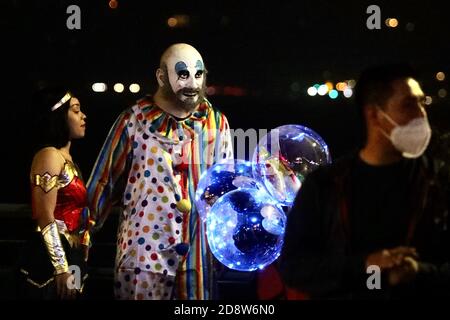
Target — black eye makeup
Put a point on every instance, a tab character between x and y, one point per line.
183	74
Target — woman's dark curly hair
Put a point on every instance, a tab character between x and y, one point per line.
50	128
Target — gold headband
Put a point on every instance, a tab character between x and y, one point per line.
64	99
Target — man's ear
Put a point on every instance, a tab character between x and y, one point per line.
160	77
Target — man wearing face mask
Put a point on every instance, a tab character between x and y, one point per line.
150	165
382	209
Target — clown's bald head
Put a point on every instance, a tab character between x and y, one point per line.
182	76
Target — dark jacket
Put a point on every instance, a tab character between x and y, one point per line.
317	257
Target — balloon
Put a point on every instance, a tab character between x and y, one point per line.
220	179
284	157
245	229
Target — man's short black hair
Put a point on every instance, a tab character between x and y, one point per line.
374	85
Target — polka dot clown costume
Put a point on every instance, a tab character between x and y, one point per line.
150	165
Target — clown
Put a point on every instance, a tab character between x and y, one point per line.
150	165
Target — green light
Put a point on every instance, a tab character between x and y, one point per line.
333	94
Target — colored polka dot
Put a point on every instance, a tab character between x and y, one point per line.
155	198
144	147
145	136
140	296
136	167
133	253
154	256
141	258
144	203
133	179
160	169
170	215
158	266
137	270
166	179
150	162
160	189
133	211
151	217
141	240
158	208
154	149
177	197
137	233
144	284
161	246
148	247
146	229
165	199
130	242
141	214
128	196
170	262
160	159
171	240
155	236
154	180
173	205
147	266
149	191
147	173
135	145
155	227
161	218
179	219
167	228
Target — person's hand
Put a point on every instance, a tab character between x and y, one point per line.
404	273
388	259
62	288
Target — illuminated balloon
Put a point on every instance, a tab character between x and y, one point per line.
245	229
220	179
285	156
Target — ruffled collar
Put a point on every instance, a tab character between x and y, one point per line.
165	126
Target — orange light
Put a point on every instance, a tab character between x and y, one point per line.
172	22
113	4
341	86
329	85
391	22
440	76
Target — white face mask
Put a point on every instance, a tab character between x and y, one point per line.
411	139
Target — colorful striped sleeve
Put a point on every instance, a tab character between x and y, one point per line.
108	178
224	144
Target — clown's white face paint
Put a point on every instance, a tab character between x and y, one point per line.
186	73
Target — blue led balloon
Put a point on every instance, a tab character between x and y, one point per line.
220	179
245	229
284	157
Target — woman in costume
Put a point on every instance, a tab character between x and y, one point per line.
59	244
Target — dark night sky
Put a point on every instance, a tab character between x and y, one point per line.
266	47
